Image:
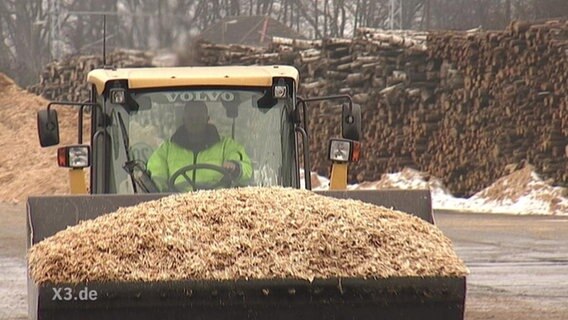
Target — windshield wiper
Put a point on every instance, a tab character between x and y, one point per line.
135	168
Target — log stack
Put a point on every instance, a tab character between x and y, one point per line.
459	105
65	80
512	107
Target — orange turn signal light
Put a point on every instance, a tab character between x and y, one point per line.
355	151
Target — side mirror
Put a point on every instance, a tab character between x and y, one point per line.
266	101
351	122
139	103
231	109
47	127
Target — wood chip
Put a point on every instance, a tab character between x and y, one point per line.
247	233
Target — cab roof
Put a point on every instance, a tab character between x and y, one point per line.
139	78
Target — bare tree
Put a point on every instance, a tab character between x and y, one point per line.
27	33
26	40
492	14
544	9
82	24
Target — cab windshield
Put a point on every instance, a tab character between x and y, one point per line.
246	124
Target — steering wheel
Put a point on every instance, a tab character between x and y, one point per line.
226	180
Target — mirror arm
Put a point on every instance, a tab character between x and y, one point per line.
333	97
82	105
306	146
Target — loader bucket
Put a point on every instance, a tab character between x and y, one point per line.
279	299
346	298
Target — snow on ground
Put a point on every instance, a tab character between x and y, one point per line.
521	192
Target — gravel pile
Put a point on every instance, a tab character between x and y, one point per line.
247	233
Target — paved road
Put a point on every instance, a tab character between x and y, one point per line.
519	264
12	262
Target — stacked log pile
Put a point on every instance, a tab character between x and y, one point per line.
65	80
373	64
512	107
462	107
459	105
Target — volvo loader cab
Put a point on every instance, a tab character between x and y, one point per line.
133	111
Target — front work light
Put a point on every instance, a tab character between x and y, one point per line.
77	156
280	91
117	96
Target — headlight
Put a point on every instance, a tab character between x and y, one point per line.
74	156
339	150
344	150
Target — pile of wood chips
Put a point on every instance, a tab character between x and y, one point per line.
25	167
247	233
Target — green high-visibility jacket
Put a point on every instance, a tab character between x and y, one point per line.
170	157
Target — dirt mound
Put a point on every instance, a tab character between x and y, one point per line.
248	233
524	187
520	191
25	167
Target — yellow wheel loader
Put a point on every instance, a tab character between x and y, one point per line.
132	111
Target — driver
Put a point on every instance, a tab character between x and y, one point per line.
197	142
